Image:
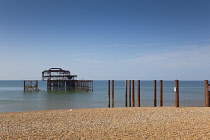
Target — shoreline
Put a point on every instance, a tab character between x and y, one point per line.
104	108
108	123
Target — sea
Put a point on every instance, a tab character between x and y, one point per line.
14	99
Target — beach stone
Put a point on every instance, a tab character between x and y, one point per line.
108	123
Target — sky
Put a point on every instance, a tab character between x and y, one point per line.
106	39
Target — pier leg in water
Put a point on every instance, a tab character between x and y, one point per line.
133	94
161	93
129	93
108	93
139	97
155	94
126	93
207	95
113	93
176	90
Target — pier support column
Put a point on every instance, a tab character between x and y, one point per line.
129	92
139	96
176	90
108	93
206	94
112	93
155	93
126	93
161	93
133	94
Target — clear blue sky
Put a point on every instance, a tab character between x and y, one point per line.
106	39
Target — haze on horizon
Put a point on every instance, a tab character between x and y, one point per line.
106	39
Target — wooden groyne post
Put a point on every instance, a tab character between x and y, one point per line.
176	90
206	93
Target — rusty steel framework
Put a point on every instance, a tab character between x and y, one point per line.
59	79
57	74
30	86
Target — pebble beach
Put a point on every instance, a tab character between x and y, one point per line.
108	123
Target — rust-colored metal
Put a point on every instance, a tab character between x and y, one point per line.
161	92
133	94
155	94
83	85
138	90
129	92
57	74
113	93
59	79
108	93
31	85
207	96
176	90
205	92
24	86
126	93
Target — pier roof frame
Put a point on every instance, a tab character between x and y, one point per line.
57	74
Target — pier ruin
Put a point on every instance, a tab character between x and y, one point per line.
59	79
31	85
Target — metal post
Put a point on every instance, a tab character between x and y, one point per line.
155	94
205	92
129	93
139	97
207	101
161	92
108	93
92	85
133	94
36	85
208	94
89	85
24	86
113	93
126	93
176	90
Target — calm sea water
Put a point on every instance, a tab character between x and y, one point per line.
13	99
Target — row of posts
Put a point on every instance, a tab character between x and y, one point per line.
130	93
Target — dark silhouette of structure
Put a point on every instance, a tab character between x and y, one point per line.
59	79
31	85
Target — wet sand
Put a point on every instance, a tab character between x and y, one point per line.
103	123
